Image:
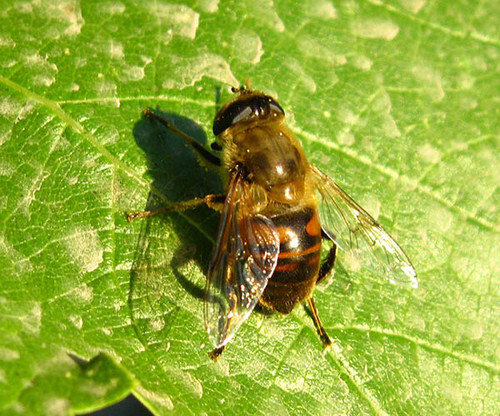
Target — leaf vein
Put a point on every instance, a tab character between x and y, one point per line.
391	173
436	26
434	347
117	163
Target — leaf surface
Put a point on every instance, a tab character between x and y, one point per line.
396	100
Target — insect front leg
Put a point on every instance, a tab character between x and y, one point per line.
212	201
204	153
329	262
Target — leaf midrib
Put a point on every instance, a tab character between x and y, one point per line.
117	163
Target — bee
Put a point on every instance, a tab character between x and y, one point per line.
275	212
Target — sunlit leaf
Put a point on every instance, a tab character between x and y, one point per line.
395	100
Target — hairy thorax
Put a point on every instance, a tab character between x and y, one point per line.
275	161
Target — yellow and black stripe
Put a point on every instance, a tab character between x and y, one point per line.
298	261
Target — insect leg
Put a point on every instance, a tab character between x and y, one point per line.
212	201
214	355
327	265
204	153
317	322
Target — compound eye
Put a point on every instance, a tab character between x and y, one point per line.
275	107
245	108
247	112
235	112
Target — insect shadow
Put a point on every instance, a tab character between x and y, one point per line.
176	176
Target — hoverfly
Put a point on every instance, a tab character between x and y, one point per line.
276	210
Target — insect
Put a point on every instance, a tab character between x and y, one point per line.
276	210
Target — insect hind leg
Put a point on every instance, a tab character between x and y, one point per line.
215	354
329	262
204	153
325	268
317	323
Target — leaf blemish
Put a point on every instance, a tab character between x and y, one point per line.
375	28
115	50
107	331
413	6
44	80
430	79
108	89
132	73
6	40
192	383
320	9
157	324
191	70
180	19
248	46
209	6
6	354
85	248
21	263
72	13
441	219
74	87
162	399
10	107
429	153
77	321
113	8
294	65
345	137
361	62
292	386
56	406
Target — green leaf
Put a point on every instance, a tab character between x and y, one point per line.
396	100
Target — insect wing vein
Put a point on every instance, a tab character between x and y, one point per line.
357	233
245	256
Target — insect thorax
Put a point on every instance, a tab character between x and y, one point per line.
270	158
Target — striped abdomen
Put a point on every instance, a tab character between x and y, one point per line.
298	262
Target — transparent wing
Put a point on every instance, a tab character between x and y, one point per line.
152	297
368	245
244	258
